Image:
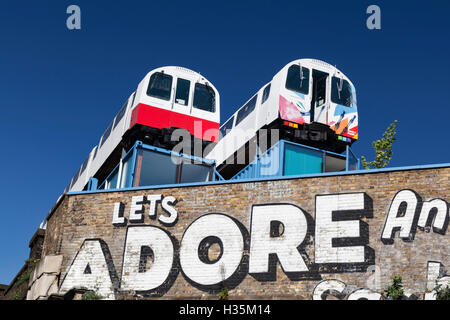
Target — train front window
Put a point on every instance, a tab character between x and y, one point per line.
296	80
182	94
160	86
341	92
204	98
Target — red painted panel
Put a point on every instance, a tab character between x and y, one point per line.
352	133
161	118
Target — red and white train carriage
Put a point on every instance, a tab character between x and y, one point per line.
168	98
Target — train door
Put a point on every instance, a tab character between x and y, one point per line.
319	101
181	102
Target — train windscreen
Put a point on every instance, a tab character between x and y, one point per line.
160	86
296	80
341	92
204	98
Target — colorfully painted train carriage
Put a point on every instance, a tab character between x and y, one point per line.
168	98
309	101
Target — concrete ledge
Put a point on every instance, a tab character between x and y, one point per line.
44	278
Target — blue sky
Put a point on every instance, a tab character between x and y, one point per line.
59	89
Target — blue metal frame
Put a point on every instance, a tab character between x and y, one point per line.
92	184
312	148
116	169
118	165
281	157
216	175
255	165
348	151
132	168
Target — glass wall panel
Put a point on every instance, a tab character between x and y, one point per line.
334	163
194	173
156	169
352	161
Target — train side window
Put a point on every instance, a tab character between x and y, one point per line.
266	93
75	177
84	165
182	94
132	100
341	92
95	153
204	98
297	81
71	182
106	134
120	114
224	129
160	86
246	110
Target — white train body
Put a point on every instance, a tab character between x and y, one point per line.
316	107
167	98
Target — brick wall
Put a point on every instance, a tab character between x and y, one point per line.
366	252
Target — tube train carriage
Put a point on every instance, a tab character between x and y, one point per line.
310	101
166	99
